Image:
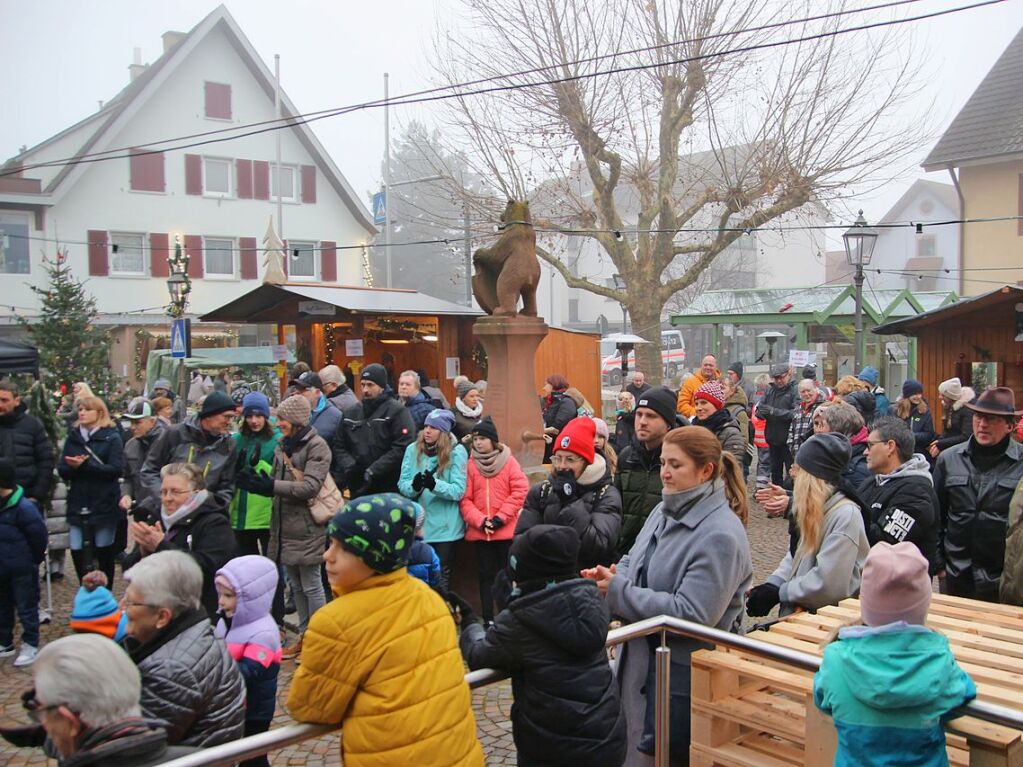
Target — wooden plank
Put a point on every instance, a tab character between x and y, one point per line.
1012	611
786	680
821	739
738	755
756	716
977	730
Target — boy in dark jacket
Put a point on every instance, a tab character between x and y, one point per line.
551	638
22	548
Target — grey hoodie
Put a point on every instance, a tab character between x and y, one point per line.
916	466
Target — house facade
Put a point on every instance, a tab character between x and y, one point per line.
982	151
118	218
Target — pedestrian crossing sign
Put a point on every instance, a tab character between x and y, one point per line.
179	339
380	208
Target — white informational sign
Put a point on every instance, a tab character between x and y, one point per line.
317	307
451	370
280	352
800	358
353	347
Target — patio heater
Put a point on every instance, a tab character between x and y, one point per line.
859	248
771	336
619	282
179	285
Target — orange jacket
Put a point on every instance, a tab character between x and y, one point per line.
686	404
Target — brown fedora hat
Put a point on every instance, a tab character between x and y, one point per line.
996	400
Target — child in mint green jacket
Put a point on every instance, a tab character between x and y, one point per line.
890	684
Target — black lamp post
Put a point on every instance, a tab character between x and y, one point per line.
859	248
179	285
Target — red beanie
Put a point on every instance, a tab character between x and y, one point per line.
713	392
578	437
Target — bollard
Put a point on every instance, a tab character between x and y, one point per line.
662	717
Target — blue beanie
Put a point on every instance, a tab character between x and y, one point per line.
870	375
440	419
98	612
911	387
255	403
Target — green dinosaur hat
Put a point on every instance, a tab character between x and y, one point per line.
378	529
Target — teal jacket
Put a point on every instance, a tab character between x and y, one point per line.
443	518
250	511
888	690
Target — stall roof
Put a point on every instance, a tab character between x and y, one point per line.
911	325
292	301
18	357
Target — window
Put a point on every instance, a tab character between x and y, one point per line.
303	266
287	183
218	255
14	243
218	101
127	254
925	245
216	177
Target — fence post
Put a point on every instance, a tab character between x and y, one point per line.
662	720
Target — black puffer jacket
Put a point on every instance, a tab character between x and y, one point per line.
23	442
594	512
957	425
373	435
974	516
567	710
190	684
188	443
135	451
95	484
778	407
557	414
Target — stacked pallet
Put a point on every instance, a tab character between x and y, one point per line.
748	711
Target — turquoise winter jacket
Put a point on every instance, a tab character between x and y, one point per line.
443	518
888	690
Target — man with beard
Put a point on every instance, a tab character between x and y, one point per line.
371	440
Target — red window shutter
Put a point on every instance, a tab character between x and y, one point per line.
99	259
244	174
218	101
159	252
146	171
193	249
261	179
193	174
328	261
249	257
308	183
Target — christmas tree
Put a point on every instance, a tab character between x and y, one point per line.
71	346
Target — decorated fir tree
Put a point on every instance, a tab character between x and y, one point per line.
71	346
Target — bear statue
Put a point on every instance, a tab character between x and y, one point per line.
510	268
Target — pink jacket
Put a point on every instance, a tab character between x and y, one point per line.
499	496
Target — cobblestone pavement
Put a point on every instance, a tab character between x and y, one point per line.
491	705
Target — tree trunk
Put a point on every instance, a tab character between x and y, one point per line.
646	322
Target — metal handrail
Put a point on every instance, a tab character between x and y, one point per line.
272	740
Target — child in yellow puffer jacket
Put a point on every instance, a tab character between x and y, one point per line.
382	659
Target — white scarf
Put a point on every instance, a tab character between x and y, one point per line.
184	510
468	412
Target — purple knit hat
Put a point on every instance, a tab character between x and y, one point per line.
895	585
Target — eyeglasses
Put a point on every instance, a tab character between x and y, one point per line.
174	493
874	443
36	709
126	603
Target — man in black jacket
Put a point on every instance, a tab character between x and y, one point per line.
778	407
24	443
146	429
371	440
900	494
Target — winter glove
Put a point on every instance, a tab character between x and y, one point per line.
429	481
463	608
565	485
418	482
258	484
497	523
761	599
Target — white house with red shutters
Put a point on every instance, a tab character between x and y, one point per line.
114	192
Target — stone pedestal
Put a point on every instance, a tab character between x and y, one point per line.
511	398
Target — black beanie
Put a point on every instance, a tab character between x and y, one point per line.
215	403
7	478
544	553
736	367
825	456
376	373
661	400
485	427
810	372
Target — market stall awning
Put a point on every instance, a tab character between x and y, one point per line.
293	302
909	326
16	357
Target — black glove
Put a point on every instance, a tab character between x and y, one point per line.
367	479
761	599
417	482
565	485
429	481
497	523
468	615
258	484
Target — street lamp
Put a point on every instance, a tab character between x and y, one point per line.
619	282
179	285
859	248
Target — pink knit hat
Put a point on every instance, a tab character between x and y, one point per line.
895	585
713	392
602	429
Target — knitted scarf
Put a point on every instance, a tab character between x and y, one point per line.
490	464
469	412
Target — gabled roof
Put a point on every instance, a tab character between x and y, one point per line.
909	326
945	193
991	123
107	122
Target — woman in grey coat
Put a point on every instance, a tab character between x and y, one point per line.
691	561
296	540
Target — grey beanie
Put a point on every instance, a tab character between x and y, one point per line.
295	409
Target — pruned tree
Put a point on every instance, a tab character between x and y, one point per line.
661	132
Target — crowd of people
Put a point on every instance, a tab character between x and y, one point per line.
349	508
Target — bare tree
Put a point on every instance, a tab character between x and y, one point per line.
641	86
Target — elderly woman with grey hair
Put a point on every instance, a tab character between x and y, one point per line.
86	698
190	683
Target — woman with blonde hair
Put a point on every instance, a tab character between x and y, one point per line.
824	562
913	410
691	561
625	421
849	384
91	465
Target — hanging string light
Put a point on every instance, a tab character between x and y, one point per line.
329	342
367	272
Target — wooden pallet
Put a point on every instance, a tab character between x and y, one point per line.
748	711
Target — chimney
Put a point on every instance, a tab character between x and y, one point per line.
137	67
171	39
